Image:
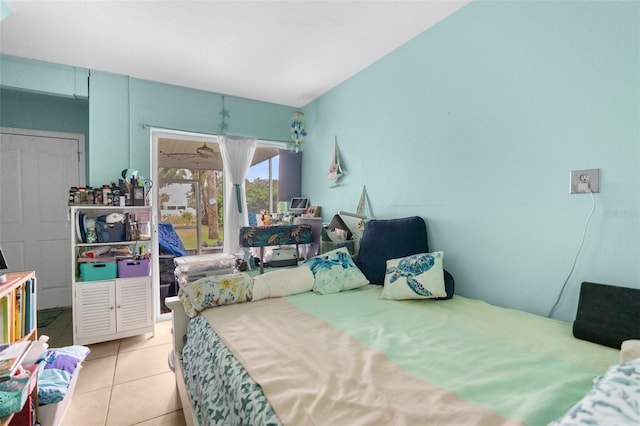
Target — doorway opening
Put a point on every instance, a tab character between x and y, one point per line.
190	188
188	193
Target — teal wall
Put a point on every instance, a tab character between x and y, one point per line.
108	152
55	113
44	96
160	105
43	77
123	111
117	112
475	125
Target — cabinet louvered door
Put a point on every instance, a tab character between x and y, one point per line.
133	302
94	310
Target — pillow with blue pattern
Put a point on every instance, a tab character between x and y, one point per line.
335	271
612	401
419	276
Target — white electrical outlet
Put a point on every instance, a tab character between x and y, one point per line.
584	181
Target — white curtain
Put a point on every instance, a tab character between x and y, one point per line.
237	154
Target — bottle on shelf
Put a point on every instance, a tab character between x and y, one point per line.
106	195
97	196
92	237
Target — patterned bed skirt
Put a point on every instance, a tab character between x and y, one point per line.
220	390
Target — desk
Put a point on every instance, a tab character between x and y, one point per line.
263	236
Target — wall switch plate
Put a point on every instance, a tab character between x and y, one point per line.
584	181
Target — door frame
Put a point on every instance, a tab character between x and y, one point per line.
82	174
156	133
82	144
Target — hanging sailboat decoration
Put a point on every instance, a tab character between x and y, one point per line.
362	204
335	170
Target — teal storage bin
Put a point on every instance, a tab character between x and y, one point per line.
14	393
96	271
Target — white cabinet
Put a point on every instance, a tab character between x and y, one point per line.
109	307
94	310
133	304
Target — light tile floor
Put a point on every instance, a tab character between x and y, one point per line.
122	382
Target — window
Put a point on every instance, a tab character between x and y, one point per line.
262	182
190	189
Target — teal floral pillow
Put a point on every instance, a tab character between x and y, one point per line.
419	276
214	291
335	271
612	401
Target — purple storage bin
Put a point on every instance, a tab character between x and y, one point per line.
134	268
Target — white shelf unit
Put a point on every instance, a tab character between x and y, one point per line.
112	308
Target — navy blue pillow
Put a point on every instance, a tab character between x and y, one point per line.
449	286
385	239
389	239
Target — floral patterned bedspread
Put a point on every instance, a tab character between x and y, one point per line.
220	389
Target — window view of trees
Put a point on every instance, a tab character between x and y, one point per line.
179	201
211	188
186	194
258	194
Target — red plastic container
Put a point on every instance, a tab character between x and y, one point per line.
134	268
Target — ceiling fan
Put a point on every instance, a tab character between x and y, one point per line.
201	152
204	151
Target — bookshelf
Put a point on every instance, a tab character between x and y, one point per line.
18	317
18	307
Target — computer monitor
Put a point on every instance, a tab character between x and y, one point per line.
298	205
3	266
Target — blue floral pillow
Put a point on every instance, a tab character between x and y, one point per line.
419	276
335	271
612	401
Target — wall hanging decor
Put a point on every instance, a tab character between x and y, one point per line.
298	131
335	169
224	115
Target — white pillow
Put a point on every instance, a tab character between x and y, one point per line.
419	276
282	283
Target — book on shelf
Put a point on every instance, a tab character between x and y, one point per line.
5	314
29	308
12	312
17	312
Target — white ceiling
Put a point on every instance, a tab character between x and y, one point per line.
285	52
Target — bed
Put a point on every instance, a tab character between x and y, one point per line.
294	355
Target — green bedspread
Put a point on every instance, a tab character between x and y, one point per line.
351	358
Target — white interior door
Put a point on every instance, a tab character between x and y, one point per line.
36	171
